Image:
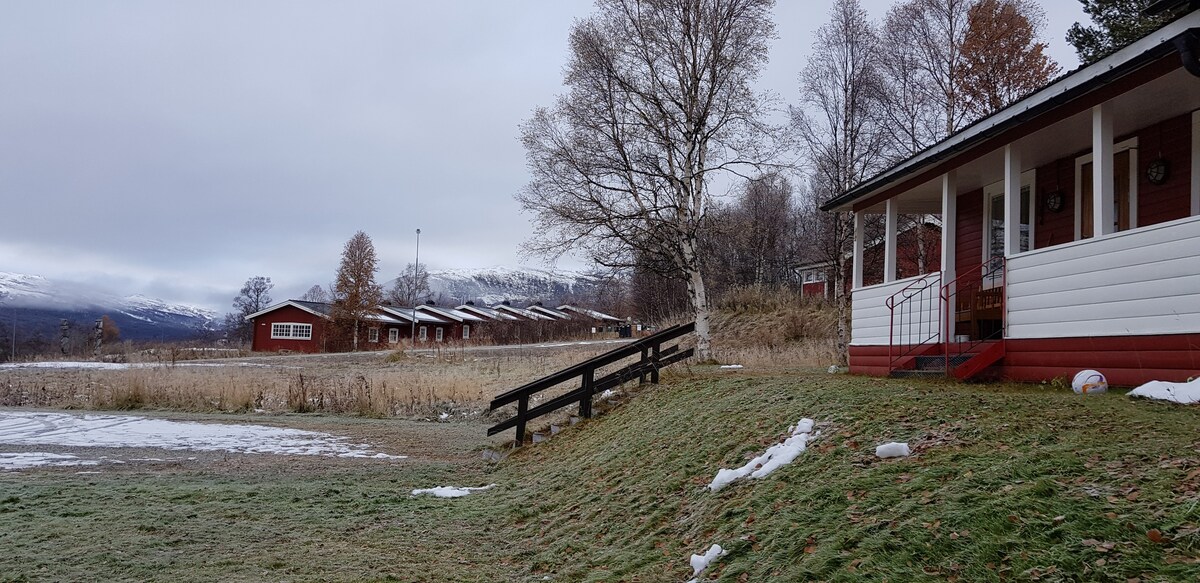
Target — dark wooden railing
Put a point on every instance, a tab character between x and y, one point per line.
653	357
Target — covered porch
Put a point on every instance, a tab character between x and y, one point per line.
1070	233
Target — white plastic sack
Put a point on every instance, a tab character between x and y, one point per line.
1089	381
893	449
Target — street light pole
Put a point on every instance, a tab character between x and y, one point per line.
412	331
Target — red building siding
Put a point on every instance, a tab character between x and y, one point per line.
1054	228
1172	140
1124	360
262	341
969	233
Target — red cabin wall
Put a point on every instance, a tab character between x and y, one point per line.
1170	139
969	232
1054	228
262	341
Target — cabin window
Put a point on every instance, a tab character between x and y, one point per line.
993	234
373	335
393	335
423	334
291	331
466	331
438	334
1124	190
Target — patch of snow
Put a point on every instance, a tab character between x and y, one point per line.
731	366
893	449
20	461
775	457
700	562
449	491
87	365
608	394
444	416
1182	393
30	428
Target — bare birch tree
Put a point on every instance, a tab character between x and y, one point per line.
355	293
930	33
660	103
839	121
315	293
411	286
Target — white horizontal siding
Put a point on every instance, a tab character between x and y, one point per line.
871	320
1143	281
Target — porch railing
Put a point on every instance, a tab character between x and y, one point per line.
977	316
914	318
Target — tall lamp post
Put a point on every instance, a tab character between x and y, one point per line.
412	332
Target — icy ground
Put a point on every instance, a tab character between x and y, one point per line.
119	365
449	491
62	429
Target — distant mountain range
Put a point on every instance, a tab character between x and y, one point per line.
39	304
520	285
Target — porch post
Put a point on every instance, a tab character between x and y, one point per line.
889	245
1196	163
1012	200
1102	171
949	238
859	248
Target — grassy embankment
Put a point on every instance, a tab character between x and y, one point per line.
1007	483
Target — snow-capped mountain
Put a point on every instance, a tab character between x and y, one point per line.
39	304
492	285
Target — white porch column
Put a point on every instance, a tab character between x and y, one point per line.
949	238
1012	200
949	224
1102	171
859	249
1196	163
891	225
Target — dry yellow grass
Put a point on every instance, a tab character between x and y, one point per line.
452	381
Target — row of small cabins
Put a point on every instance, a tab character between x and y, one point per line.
1070	231
302	326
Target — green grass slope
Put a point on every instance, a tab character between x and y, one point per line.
1006	483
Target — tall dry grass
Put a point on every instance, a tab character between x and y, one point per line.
451	381
767	327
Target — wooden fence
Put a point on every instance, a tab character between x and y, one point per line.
653	357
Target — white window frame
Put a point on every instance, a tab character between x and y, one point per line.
439	334
1132	145
291	331
423	334
996	190
466	331
373	335
393	335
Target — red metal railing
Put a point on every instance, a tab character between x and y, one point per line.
913	313
981	309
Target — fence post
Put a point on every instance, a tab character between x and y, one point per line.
642	368
585	403
522	408
654	364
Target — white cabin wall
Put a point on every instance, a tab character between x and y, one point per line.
871	318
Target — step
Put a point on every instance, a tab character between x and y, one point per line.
938	362
914	373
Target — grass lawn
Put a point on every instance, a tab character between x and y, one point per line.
1007	482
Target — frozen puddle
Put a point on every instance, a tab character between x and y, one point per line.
33	428
18	461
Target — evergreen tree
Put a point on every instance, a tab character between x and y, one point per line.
1116	23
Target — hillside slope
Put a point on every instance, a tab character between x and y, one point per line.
1006	482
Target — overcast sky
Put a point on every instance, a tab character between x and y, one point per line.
175	149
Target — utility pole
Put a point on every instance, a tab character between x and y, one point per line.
412	331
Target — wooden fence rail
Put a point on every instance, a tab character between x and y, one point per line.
653	356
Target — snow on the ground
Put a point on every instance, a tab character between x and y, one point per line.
893	449
608	394
450	491
731	366
776	456
33	428
20	461
124	365
1182	393
700	562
